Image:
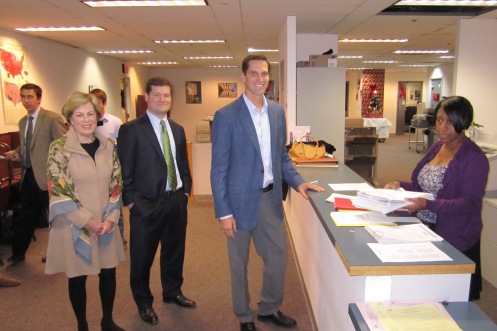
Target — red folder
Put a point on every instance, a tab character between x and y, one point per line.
345	204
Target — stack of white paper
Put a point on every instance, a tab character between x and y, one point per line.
411	233
385	200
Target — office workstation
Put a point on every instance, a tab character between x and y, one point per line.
338	268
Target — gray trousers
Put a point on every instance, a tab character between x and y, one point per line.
270	243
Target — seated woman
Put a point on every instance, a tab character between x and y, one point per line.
455	170
85	186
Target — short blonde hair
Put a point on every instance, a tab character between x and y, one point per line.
76	100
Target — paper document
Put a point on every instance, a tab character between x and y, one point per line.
386	201
408	252
409	233
360	218
407	316
351	187
332	197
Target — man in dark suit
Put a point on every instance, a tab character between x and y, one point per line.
249	163
157	183
37	131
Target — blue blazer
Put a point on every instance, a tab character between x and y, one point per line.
237	171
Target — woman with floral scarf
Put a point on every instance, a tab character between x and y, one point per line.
84	183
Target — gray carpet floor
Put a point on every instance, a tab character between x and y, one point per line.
41	302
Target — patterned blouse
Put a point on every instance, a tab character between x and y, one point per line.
430	179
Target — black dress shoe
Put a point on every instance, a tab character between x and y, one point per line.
148	315
16	258
279	319
182	301
249	326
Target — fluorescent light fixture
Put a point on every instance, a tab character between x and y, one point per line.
151	63
221	66
373	40
255	50
484	3
350	56
389	61
62	29
446	57
137	3
358	68
189	41
206	57
421	52
417	65
139	51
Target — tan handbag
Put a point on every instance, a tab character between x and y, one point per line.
300	149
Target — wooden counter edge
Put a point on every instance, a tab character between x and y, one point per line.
416	269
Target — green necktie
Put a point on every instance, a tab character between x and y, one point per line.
168	155
27	143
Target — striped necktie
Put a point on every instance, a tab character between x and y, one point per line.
168	155
27	143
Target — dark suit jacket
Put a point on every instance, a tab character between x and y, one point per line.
49	127
237	171
143	165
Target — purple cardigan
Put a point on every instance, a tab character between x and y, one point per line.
459	202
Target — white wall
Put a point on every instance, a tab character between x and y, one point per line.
475	72
446	73
61	70
189	115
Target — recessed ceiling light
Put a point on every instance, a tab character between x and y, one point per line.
189	41
350	56
421	52
358	68
417	65
221	66
380	61
254	50
373	40
79	28
483	3
156	62
446	57
138	51
132	3
206	57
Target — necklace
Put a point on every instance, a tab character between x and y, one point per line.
86	142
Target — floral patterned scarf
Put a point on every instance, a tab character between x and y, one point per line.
64	198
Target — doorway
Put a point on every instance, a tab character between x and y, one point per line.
409	95
124	83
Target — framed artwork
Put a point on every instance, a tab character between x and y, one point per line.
193	92
226	90
13	74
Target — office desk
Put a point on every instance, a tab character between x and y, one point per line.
339	268
466	314
382	126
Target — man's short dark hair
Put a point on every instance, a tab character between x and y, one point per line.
34	87
100	94
459	111
158	81
254	57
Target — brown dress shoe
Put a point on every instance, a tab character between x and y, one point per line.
8	282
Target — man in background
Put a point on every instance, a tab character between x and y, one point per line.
108	126
157	183
249	163
37	131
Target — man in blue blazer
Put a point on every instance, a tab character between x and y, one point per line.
249	163
157	202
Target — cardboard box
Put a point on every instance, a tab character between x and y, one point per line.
323	60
